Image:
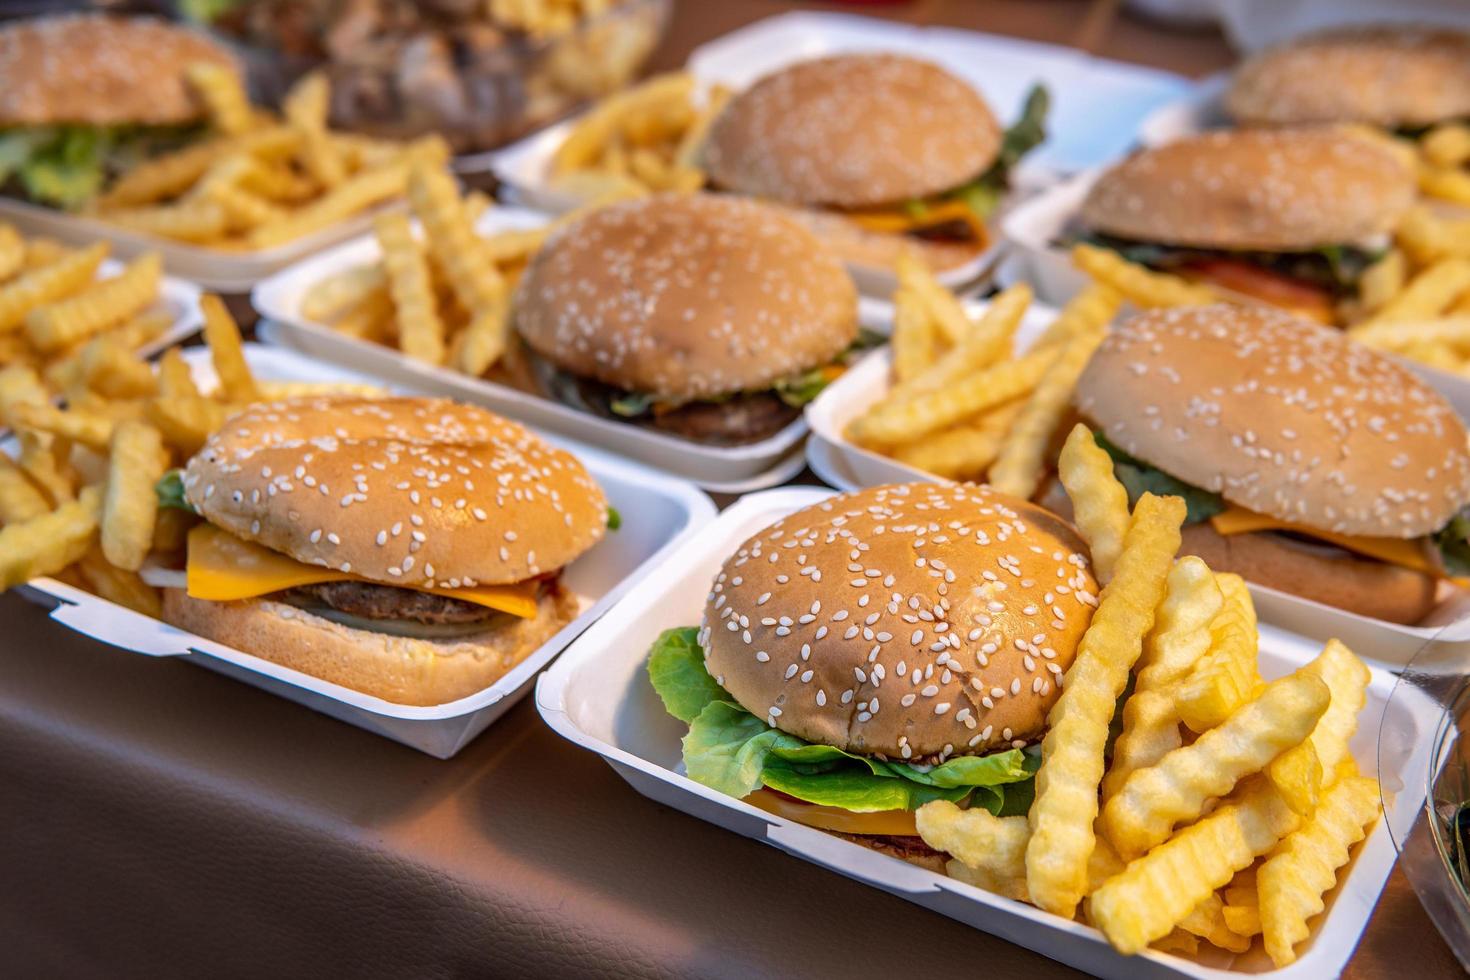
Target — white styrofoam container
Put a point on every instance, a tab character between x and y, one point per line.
1096	104
727	469
178	299
658	514
212	268
848	466
598	696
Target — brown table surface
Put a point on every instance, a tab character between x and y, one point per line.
159	820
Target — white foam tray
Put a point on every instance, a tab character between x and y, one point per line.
598	696
214	269
658	514
1096	104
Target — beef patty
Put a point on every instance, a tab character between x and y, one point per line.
371	601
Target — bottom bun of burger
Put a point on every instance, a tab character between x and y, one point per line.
1316	571
400	669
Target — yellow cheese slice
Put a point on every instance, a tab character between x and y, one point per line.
223	568
1406	552
898	220
887	823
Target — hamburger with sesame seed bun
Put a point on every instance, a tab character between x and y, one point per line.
1289	218
708	317
879	650
909	156
84	95
1310	464
1402	77
409	549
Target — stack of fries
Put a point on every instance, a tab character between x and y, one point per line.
64	322
1230	803
258	181
78	498
442	297
640	141
963	401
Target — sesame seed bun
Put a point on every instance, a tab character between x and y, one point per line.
1317	571
852	131
686	297
100	70
1276	190
399	669
913	621
1388	75
402	491
1281	416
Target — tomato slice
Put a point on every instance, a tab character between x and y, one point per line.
1267	286
889	823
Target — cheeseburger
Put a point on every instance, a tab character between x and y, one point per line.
1310	464
1290	218
84	96
879	650
1400	77
880	152
410	549
709	317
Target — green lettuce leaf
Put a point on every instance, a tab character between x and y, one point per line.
1453	541
996	769
727	748
170	491
676	670
16	147
1139	478
631	404
614	519
855	790
983	194
68	170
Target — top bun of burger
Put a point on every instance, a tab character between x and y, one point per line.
1281	416
913	621
852	131
1276	190
100	70
402	491
1388	75
686	297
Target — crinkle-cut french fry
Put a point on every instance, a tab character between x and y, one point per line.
41	252
1150	732
482	342
227	350
1153	800
43	459
34	290
12	252
452	240
1099	501
305	108
371	319
119	585
355	194
175	377
1241	920
1182	633
590	136
1091	309
1383	280
514	245
1207	921
332	296
1021	465
1304	865
1428	294
173	173
918	416
186	423
193	220
102	305
1157	891
1449	331
943	306
420	328
105	365
963	451
1226	676
20	385
136	461
47	544
1428	237
223	95
977	837
913	340
19	498
1007	886
1347	678
1297	776
1143	286
1446	145
84	427
1179	942
987	342
1066	804
1445	183
244	210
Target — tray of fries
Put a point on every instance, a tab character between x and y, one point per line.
254	194
116	607
343	283
598	696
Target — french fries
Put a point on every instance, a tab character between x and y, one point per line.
1099	502
46	544
222	335
137	461
1142	286
1226	677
